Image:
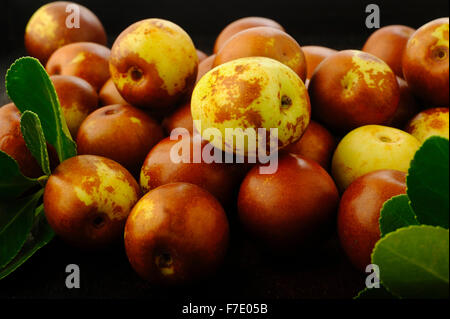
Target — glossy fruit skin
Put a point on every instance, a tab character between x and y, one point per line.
314	55
122	133
388	43
242	24
180	118
316	144
408	106
86	60
425	63
109	95
46	30
12	142
359	212
430	122
201	55
205	66
250	93
293	208
220	179
352	88
370	148
77	99
87	200
176	234
154	64
267	42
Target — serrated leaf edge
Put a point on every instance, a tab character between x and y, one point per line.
44	160
62	122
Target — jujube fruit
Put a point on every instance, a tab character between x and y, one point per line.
266	42
120	132
242	24
425	63
86	60
352	88
87	200
359	212
77	99
154	64
176	234
291	209
46	30
13	143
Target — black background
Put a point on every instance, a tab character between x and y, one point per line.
248	272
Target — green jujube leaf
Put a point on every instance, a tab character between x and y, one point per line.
396	213
30	88
40	235
428	182
35	139
12	182
15	224
375	293
414	262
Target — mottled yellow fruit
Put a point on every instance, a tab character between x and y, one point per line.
87	200
113	195
370	148
441	35
369	71
43	24
434	121
153	62
247	94
74	116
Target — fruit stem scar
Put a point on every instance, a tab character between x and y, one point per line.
286	101
98	221
385	139
136	73
164	262
440	53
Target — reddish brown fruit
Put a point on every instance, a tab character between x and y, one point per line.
266	42
359	212
109	94
201	55
242	24
351	89
408	106
388	44
86	60
12	142
47	31
425	63
293	208
177	233
122	133
160	168
181	118
205	66
87	200
316	144
77	99
314	55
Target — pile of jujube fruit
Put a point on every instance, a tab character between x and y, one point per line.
349	123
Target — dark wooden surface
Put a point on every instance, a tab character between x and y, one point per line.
248	272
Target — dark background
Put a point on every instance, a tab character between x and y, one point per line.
248	272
